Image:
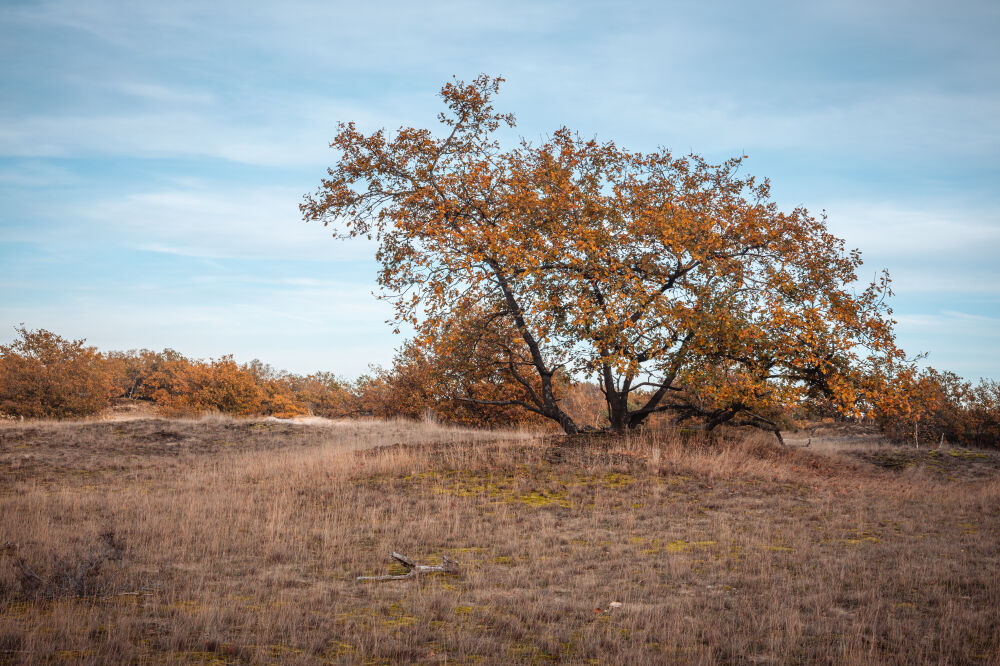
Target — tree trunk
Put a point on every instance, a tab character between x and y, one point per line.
568	424
618	415
549	407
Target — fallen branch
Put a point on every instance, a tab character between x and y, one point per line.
448	566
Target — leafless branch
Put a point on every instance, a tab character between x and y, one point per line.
447	566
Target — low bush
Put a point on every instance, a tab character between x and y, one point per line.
943	406
45	375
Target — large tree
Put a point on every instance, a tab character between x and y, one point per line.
676	284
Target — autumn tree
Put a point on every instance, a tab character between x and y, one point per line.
179	385
935	406
43	374
675	284
460	376
323	394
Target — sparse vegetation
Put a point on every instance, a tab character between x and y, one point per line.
244	538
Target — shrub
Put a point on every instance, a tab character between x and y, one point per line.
45	375
323	394
182	386
942	405
79	574
453	380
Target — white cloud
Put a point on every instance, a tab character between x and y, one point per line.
338	326
962	342
34	173
863	123
930	280
992	322
637	80
243	222
889	229
166	95
196	219
167	134
958	323
355	36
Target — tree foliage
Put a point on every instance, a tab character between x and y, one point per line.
44	374
454	379
937	406
675	284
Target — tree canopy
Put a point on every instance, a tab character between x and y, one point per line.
676	284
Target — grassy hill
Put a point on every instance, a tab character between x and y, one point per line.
229	541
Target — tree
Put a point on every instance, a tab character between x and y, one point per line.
934	406
43	374
179	386
663	278
439	379
322	394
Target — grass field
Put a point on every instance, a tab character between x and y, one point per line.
222	541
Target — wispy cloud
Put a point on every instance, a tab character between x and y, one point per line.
974	339
890	229
34	174
157	134
262	223
175	140
949	319
336	326
166	95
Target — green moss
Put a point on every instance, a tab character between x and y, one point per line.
861	536
616	480
339	649
196	657
966	454
543	498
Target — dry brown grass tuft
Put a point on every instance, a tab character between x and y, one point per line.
239	541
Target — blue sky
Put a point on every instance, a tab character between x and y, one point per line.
153	155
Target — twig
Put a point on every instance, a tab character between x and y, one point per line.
447	566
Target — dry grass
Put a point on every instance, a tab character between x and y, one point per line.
239	541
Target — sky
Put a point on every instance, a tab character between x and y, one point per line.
153	155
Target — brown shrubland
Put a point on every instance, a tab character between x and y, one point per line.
43	375
213	511
230	541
